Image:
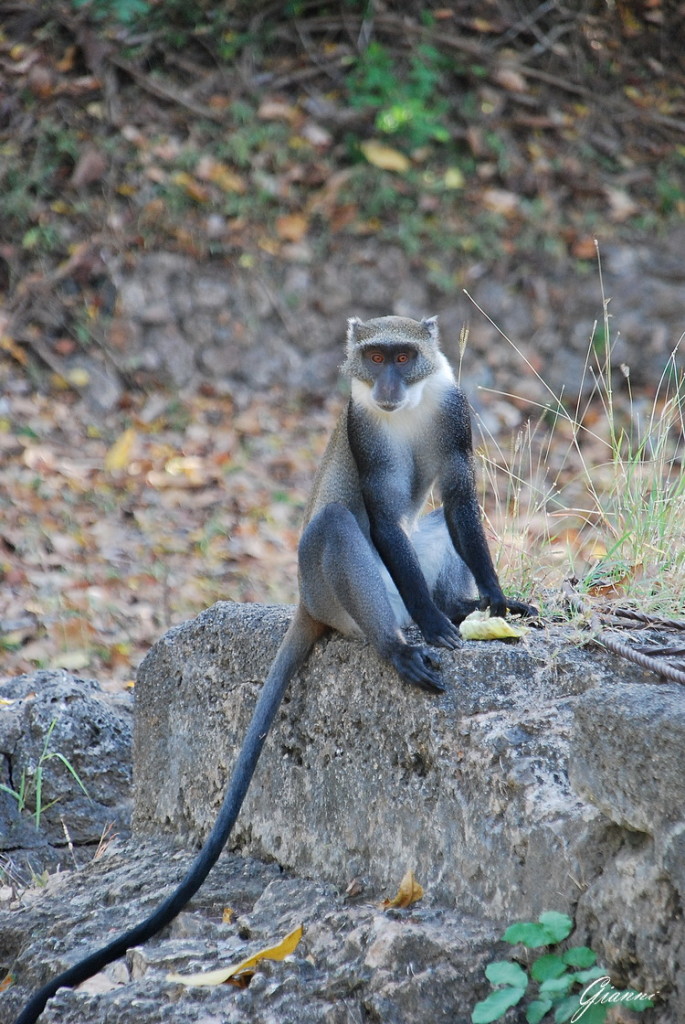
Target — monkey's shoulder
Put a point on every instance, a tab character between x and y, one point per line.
337	479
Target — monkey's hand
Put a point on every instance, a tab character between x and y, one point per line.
416	666
495	601
521	608
438	630
499	605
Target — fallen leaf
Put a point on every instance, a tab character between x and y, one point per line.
500	200
209	169
292	227
91	166
385	157
409	892
119	455
278	110
509	78
224	974
72	661
78	377
481	626
453	178
190	186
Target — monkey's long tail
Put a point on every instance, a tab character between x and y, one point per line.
298	641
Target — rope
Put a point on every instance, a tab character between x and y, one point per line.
657	665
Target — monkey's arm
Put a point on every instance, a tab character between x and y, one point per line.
465	525
401	560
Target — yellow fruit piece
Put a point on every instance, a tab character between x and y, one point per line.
481	626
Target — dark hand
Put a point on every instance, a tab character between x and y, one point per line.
499	605
416	666
495	601
439	631
520	608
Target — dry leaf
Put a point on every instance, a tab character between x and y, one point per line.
500	200
385	157
292	227
509	78
453	178
409	892
209	169
190	186
91	166
72	661
481	626
224	974
119	455
278	110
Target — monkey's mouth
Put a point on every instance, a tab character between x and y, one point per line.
389	406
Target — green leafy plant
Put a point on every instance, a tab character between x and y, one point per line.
124	11
409	105
560	978
31	784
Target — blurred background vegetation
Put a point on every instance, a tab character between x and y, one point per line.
500	134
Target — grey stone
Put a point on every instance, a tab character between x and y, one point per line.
363	778
628	757
355	962
290	314
57	718
358	765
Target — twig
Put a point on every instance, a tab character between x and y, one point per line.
657	665
164	92
649	620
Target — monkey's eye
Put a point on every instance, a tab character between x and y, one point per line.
377	357
402	357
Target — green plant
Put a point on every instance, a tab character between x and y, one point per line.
409	103
124	11
566	983
31	784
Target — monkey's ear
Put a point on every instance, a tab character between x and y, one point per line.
355	331
431	325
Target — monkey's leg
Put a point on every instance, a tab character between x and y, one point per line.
452	585
341	584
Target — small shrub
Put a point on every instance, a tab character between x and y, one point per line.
567	984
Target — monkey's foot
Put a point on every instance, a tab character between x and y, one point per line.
416	666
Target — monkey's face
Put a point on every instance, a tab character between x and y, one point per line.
392	372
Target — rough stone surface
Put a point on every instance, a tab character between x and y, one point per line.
355	965
362	773
363	777
628	758
51	717
180	322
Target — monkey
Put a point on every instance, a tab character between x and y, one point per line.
369	562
